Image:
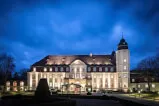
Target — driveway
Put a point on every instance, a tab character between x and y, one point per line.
96	102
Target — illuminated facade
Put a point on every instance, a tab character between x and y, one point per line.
83	72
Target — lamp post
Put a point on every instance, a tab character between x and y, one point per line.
139	92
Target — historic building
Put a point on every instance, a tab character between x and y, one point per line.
83	72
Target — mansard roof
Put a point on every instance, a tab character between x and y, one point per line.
68	59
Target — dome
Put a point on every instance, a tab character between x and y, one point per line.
122	44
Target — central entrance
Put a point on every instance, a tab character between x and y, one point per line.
71	88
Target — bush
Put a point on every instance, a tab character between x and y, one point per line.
42	91
89	93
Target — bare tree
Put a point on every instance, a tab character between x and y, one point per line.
7	66
23	73
148	67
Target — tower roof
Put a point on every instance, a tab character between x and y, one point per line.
122	44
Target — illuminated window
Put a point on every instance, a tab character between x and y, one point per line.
89	69
21	83
124	67
61	69
34	69
124	60
45	69
111	69
7	83
106	69
50	69
153	85
14	83
100	68
111	76
125	75
94	69
56	69
146	85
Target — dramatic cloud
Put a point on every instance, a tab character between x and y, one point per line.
32	29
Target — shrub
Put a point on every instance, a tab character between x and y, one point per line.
42	91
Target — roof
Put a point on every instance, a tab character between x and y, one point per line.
68	59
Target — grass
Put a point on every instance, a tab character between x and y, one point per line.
147	96
15	93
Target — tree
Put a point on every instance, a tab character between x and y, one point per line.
16	76
7	66
147	69
23	73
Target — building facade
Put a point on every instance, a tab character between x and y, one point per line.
76	73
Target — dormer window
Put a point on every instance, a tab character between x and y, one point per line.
100	69
111	69
45	69
106	69
94	69
56	69
89	69
61	69
67	69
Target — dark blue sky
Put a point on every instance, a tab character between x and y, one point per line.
32	29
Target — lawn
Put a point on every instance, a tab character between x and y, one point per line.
147	96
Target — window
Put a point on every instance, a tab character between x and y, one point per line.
56	69
67	69
61	69
153	85
34	69
100	68
124	60
111	76
146	85
133	80
106	69
8	83
45	69
111	69
14	83
124	67
50	69
77	69
125	75
89	69
94	69
21	83
83	69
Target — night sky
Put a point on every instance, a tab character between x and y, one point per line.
33	29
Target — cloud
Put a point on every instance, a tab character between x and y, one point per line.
30	30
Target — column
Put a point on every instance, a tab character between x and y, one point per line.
30	87
36	78
80	73
109	80
104	80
